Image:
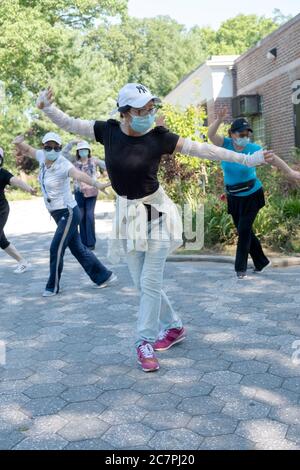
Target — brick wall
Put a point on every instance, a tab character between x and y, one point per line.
253	66
213	106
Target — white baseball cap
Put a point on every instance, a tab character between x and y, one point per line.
135	95
1	152
83	145
52	136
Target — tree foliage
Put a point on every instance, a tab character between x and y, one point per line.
76	47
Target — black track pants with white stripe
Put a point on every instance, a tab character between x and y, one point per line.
67	235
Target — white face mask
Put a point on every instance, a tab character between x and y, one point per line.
83	153
241	141
52	156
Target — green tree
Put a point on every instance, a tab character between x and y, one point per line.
34	32
238	34
152	51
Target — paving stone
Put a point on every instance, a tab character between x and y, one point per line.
279	444
191	390
246	409
176	439
42	443
287	414
45	390
200	405
249	367
292	384
278	397
159	401
78	429
212	365
213	424
119	397
266	431
125	435
187	375
123	414
227	442
45	425
115	382
89	444
10	439
263	380
166	419
74	380
227	393
81	393
83	409
157	385
44	406
71	368
15	374
293	433
222	377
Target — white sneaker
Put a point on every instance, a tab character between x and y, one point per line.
22	267
111	280
48	293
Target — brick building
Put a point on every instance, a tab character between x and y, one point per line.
262	84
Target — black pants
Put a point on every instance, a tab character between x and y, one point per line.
244	210
66	235
4	211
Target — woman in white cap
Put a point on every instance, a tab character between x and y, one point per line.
85	195
146	219
54	177
7	178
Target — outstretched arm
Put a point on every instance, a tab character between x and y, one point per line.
23	148
81	127
17	183
283	166
212	152
84	178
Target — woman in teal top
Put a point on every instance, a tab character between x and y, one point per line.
245	195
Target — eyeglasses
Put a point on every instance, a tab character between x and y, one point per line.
144	112
47	148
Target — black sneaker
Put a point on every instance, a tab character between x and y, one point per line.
255	270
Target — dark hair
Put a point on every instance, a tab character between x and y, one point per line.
123	109
77	154
1	161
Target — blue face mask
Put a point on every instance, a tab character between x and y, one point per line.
83	153
142	123
242	141
52	156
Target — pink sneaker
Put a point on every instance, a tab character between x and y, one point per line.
147	358
168	338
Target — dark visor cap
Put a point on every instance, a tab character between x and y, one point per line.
240	125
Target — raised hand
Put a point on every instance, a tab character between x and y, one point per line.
18	140
45	99
222	113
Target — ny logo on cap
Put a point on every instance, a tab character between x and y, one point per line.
141	89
